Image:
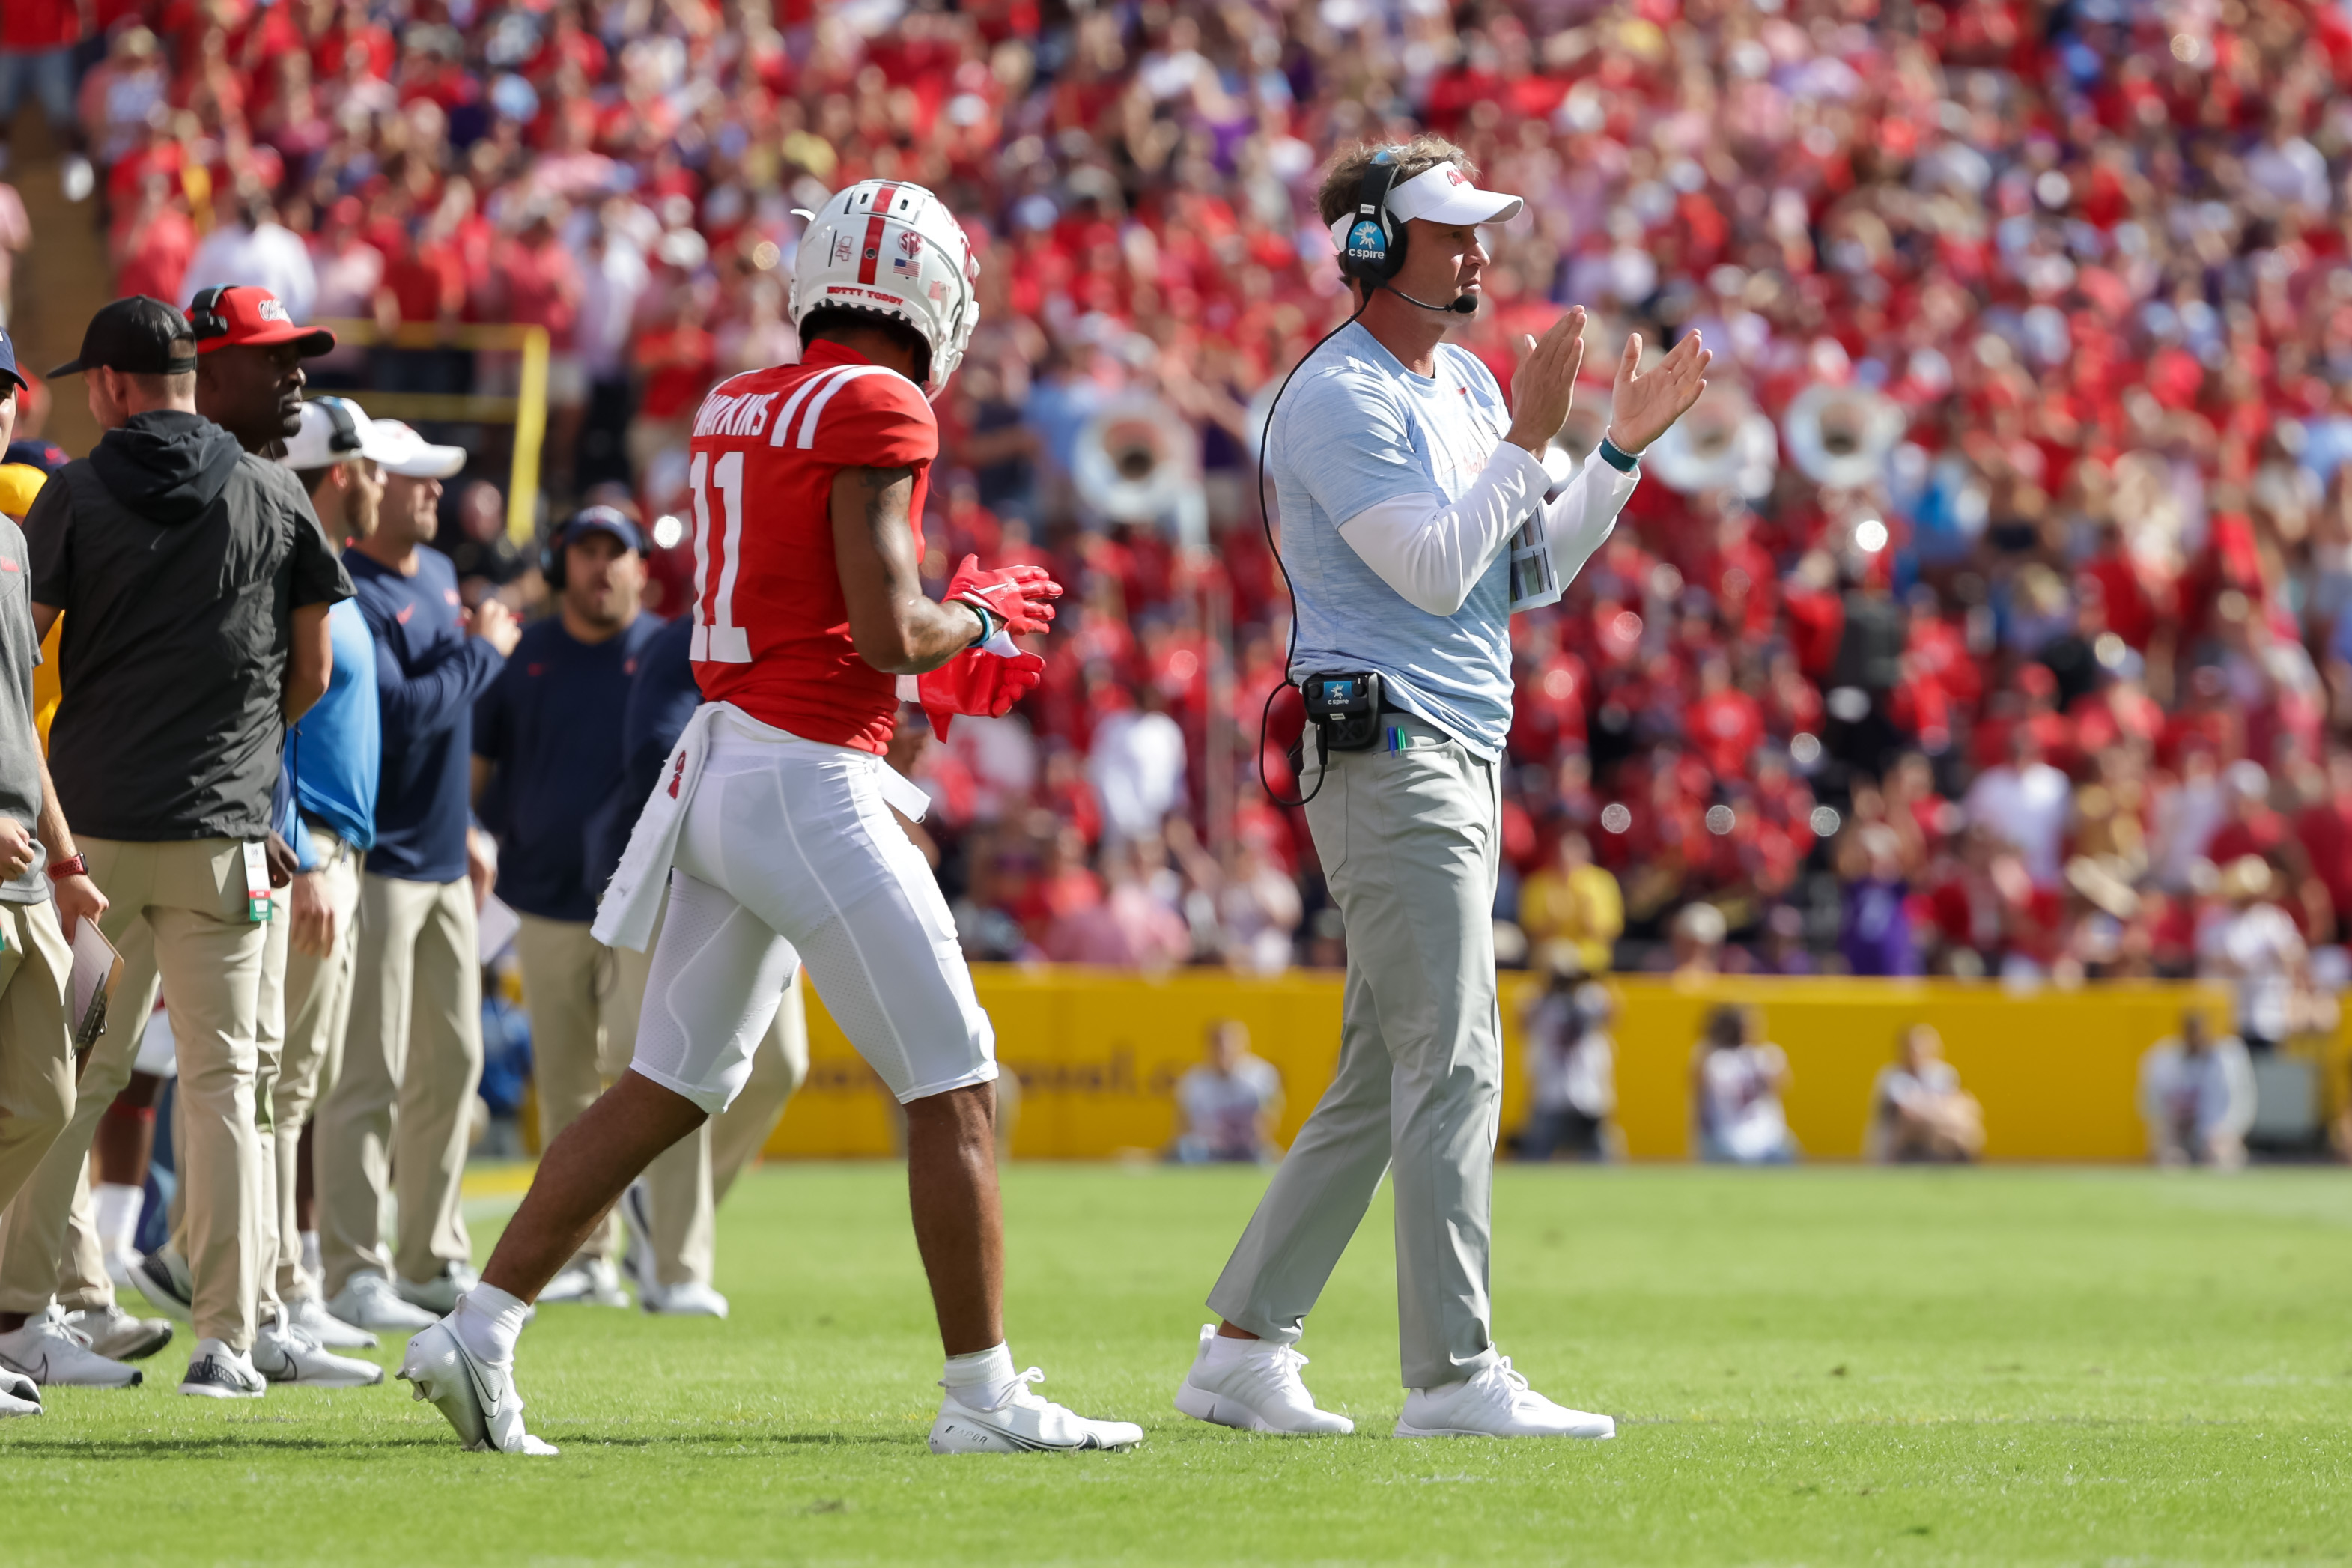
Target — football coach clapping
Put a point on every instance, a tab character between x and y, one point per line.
1418	515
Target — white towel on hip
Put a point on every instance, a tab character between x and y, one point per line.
631	900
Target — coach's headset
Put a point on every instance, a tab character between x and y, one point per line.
1345	707
610	519
204	318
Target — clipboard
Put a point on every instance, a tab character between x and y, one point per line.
96	967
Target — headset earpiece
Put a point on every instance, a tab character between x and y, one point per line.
551	554
204	319
1375	249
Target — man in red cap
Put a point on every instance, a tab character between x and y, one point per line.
249	355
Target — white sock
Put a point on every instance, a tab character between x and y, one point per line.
488	1322
118	1208
313	1263
982	1380
1224	1350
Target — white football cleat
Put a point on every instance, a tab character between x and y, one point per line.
689	1299
219	1373
479	1399
309	1315
369	1301
1496	1402
284	1353
1023	1424
117	1335
585	1282
53	1356
1257	1390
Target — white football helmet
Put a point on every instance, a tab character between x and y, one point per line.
893	249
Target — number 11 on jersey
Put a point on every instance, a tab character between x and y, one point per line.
717	638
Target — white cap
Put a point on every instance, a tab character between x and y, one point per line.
1442	195
335	430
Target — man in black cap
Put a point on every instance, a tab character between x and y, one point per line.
249	382
195	584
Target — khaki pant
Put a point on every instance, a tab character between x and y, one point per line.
686	1182
177	913
36	1087
1409	841
318	1011
399	1115
83	1283
568	988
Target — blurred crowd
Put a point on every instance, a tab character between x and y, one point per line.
1989	618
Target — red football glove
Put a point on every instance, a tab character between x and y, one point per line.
977	682
1020	598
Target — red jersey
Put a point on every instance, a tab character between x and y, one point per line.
771	627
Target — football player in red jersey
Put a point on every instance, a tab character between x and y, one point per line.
771	827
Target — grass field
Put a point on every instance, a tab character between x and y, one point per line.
1809	1366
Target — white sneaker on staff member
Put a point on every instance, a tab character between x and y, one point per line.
1496	1402
1253	1385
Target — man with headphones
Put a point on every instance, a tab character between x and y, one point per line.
1419	512
547	768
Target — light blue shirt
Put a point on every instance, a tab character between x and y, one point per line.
1356	428
336	750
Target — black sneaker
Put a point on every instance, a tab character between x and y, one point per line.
219	1373
167	1288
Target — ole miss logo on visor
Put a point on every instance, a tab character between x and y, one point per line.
272	308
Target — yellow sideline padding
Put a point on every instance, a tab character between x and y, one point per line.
1099	1052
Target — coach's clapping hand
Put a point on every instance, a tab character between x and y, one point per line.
16	848
1642	406
494	625
1543	389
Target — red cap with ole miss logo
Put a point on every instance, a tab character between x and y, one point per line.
247	314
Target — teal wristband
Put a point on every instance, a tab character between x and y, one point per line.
1616	456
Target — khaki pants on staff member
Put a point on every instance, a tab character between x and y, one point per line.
36	1087
571	992
685	1183
318	1011
1410	843
177	913
412	1061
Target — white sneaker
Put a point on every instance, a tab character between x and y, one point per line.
1496	1402
54	1356
585	1282
309	1315
479	1399
284	1353
1023	1424
117	1335
692	1298
439	1295
218	1372
636	1206
369	1301
163	1279
1257	1390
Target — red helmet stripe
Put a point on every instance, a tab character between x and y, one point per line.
870	257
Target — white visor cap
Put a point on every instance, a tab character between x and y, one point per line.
1442	195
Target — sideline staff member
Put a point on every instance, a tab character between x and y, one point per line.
547	765
196	586
1417	514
